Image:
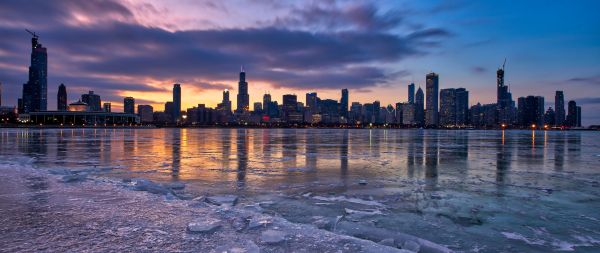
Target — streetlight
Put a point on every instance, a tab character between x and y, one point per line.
532	126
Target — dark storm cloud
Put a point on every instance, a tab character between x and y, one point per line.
327	16
39	14
281	55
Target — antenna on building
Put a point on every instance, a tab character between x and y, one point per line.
241	68
504	64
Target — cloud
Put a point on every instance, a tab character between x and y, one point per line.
590	80
588	100
478	70
115	52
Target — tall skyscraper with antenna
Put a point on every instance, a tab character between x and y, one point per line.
243	98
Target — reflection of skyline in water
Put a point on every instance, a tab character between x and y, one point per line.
264	158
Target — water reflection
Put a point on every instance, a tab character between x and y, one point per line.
176	153
503	161
431	159
303	156
242	155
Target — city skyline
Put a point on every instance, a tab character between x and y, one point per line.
154	90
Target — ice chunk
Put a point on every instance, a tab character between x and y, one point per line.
362	182
71	178
175	185
244	247
272	236
388	242
228	200
256	222
149	186
412	246
204	226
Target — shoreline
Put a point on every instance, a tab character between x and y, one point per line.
277	127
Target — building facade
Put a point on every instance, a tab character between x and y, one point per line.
432	106
35	91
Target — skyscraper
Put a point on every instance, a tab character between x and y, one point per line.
454	107
344	104
559	108
266	102
311	102
243	99
106	107
504	102
129	105
290	104
447	107
146	113
0	94
573	117
531	111
176	102
92	100
420	107
35	91
432	93
61	98
225	104
462	106
411	93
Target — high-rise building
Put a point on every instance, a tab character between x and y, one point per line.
462	106
243	99
504	100
377	112
330	111
146	113
550	117
447	107
129	105
356	111
225	105
266	102
531	111
35	91
559	108
176	113
257	107
290	104
432	93
344	104
578	116
409	114
574	116
106	107
0	94
92	100
61	98
420	107
311	101
411	93
483	115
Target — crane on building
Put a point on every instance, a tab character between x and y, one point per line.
32	33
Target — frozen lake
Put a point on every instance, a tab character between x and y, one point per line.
472	191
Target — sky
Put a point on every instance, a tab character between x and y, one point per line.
120	48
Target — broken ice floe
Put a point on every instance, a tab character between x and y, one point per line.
204	226
272	236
